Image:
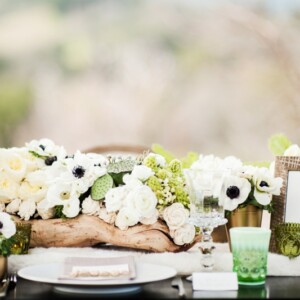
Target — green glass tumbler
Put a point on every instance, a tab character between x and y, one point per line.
250	246
21	239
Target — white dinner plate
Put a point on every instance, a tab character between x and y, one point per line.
49	273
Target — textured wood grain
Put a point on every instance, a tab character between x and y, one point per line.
84	231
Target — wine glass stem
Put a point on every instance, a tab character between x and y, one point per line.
207	249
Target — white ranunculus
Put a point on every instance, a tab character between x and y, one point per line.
114	198
90	206
13	206
142	172
126	217
108	217
31	191
45	213
175	215
143	200
235	190
293	150
27	209
266	186
151	219
33	163
184	234
8	226
13	164
8	188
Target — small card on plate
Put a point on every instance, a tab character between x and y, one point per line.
215	281
94	268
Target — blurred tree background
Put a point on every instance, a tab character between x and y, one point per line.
209	76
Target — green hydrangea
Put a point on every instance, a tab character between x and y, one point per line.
175	166
154	183
151	163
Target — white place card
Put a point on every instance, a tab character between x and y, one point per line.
215	281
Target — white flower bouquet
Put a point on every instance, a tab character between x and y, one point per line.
40	181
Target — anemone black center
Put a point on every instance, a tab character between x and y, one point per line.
78	171
263	184
233	192
50	160
1	225
42	147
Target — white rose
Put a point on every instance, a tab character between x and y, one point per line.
29	191
27	209
126	217
131	181
292	150
8	228
150	220
108	217
175	215
184	234
114	198
13	206
143	200
33	163
90	206
13	164
8	188
142	172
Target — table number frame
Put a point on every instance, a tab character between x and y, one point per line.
283	165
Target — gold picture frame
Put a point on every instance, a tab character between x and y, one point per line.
283	166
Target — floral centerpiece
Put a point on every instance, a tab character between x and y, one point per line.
237	185
41	181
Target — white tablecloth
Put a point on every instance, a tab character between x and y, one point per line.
184	262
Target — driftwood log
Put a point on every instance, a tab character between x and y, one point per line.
85	231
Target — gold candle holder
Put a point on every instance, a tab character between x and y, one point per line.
21	238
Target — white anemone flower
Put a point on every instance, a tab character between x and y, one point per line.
46	148
266	186
60	193
7	225
82	171
235	191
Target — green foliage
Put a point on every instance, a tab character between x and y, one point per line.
259	164
278	143
58	212
6	245
186	161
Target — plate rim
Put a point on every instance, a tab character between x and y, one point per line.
94	283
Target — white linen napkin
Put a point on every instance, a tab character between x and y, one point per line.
94	268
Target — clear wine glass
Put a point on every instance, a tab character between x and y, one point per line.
205	210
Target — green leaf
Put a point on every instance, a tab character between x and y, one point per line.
259	164
278	143
158	149
189	159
